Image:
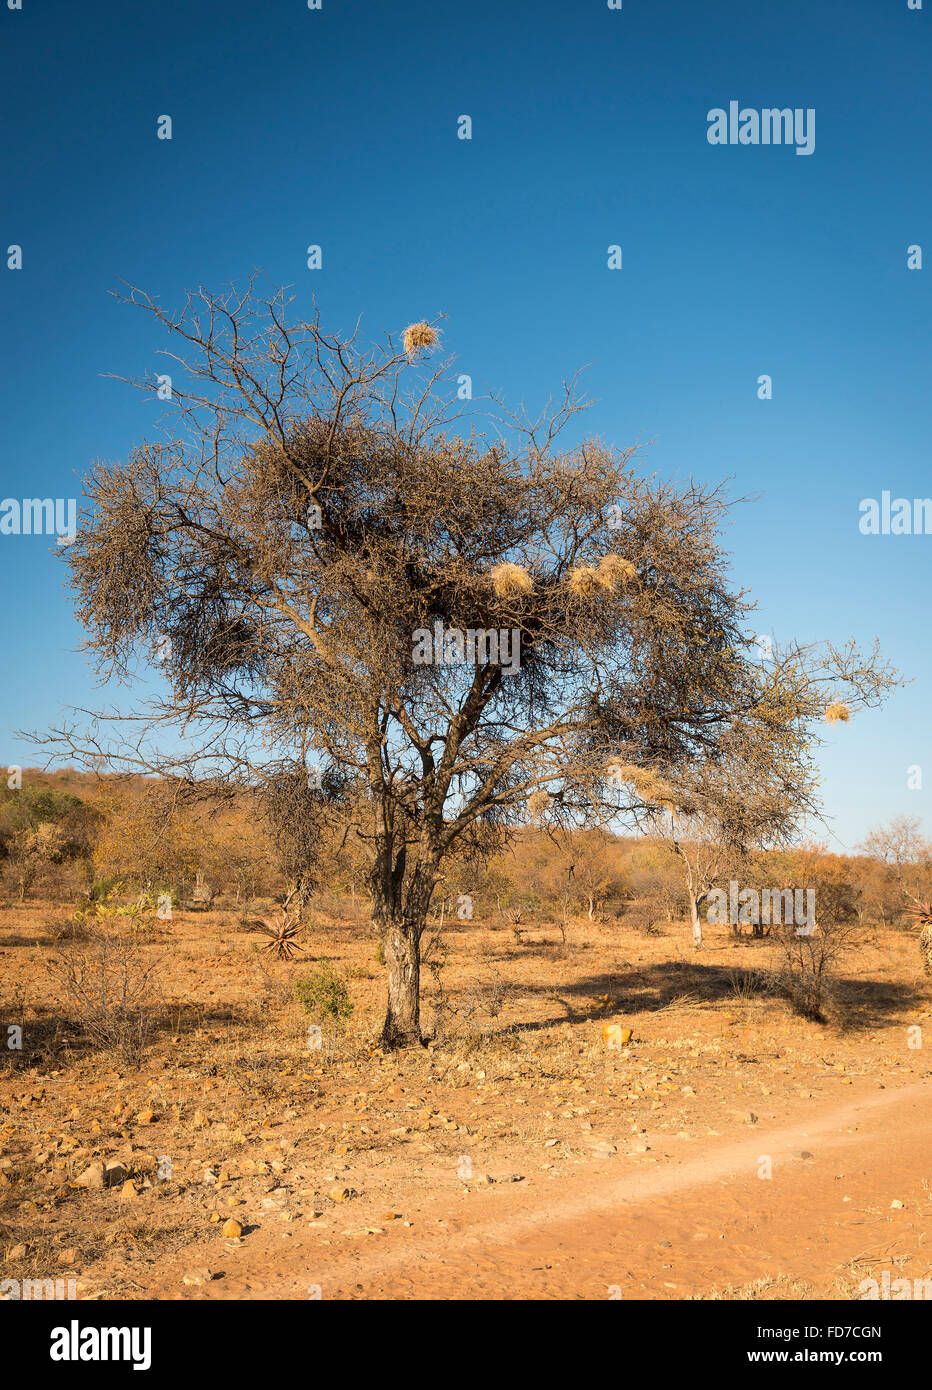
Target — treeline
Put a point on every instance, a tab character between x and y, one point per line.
68	834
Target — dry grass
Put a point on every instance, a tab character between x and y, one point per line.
509	580
237	1088
419	337
584	581
615	572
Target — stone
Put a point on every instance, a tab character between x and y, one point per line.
231	1229
92	1177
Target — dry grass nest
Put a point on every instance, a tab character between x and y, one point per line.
537	803
612	573
508	580
419	336
837	713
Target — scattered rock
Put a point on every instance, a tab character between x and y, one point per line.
198	1276
92	1177
231	1229
115	1173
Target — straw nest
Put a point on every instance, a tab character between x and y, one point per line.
584	581
837	713
613	572
417	336
508	580
651	789
537	803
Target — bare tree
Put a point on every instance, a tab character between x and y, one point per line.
756	788
904	851
323	559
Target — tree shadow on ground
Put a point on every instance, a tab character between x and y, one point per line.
859	1004
54	1034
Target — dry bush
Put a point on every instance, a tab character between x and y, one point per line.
805	975
106	985
646	915
470	1020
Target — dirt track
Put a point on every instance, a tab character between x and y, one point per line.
673	1228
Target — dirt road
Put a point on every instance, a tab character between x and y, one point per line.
656	1224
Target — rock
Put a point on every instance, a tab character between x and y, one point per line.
896	1205
15	1252
92	1177
389	1216
128	1191
231	1229
803	1155
68	1257
198	1276
145	1117
602	1146
115	1173
549	1143
339	1194
750	1118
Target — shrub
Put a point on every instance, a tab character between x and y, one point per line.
323	994
105	985
809	963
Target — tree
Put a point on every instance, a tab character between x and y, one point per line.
903	850
331	567
755	788
42	826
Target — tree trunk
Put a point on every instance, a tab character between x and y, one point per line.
402	949
696	920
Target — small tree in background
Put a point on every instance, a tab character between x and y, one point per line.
754	788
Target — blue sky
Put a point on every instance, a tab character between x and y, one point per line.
339	127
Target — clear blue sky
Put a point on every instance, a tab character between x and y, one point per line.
338	127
